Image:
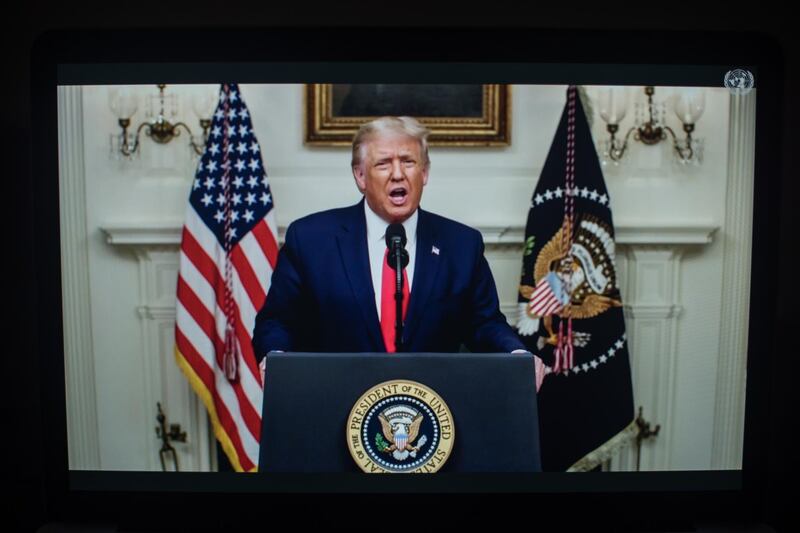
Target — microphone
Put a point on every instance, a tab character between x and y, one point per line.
396	243
397	259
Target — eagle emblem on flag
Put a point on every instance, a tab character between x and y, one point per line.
579	281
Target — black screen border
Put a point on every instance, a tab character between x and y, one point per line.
582	54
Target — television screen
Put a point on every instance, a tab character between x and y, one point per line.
600	220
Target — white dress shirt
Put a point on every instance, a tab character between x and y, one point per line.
376	241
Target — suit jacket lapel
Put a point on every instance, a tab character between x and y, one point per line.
352	240
426	266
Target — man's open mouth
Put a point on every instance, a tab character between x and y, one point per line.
398	195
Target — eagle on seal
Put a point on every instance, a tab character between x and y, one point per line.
399	435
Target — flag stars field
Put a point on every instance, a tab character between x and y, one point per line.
593	364
544	196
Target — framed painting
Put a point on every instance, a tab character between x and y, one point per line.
457	115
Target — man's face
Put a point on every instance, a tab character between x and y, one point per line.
391	176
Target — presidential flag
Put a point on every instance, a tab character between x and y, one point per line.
571	306
228	252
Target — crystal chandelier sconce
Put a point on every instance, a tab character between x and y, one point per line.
124	103
650	126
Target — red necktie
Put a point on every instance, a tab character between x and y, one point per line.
388	304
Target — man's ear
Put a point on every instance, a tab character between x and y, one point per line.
360	177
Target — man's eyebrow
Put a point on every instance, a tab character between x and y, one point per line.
388	157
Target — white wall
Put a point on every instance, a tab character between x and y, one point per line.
483	187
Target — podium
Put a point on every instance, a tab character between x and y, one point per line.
309	402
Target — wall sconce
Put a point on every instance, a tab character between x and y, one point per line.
650	127
124	102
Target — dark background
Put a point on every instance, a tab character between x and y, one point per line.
360	100
23	427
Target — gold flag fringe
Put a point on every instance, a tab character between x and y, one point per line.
205	395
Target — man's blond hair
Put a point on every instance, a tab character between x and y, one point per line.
408	126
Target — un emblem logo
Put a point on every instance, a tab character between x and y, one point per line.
739	81
400	426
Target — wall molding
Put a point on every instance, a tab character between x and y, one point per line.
651	290
164	382
168	232
82	420
727	443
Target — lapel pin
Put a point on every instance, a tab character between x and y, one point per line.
434	250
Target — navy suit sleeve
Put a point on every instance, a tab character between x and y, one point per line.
489	331
278	320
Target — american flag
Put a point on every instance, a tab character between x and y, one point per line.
228	252
548	297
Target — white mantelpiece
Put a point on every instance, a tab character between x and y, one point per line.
648	260
169	233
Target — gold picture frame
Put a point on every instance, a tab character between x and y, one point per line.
465	115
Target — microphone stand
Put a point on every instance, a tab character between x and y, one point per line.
398	297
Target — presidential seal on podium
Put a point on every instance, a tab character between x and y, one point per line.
400	426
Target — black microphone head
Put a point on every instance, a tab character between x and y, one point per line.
393	232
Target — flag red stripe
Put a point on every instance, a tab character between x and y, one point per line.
207	323
552	306
196	361
543	301
546	300
540	293
208	269
248	277
266	239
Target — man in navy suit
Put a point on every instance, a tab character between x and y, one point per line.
331	290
